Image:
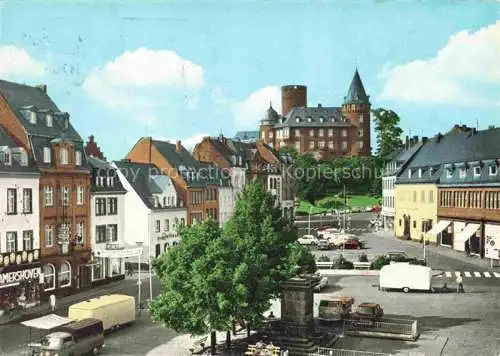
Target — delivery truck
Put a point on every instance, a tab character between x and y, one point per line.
114	310
406	277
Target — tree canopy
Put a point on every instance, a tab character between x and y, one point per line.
388	131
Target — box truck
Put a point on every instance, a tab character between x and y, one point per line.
114	310
406	277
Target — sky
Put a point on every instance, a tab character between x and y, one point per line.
188	69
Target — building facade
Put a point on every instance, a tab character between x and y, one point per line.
197	185
393	165
244	162
153	208
20	268
30	116
324	131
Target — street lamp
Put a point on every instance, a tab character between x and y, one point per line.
139	282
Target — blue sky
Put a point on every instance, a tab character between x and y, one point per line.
185	69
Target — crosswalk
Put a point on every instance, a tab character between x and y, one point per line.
467	274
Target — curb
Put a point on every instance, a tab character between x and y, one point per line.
348	272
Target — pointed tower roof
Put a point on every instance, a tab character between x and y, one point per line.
271	116
356	93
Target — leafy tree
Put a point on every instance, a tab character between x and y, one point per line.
310	176
289	150
266	248
200	290
388	131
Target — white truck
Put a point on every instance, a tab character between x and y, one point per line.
406	277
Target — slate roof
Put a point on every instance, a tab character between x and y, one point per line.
247	135
15	166
271	116
356	93
402	156
452	151
139	175
193	172
104	169
320	116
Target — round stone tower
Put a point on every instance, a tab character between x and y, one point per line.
293	96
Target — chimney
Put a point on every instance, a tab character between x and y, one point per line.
42	88
424	140
320	106
91	138
407	142
415	140
178	145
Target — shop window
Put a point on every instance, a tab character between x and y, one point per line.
49	280
98	269
65	275
116	267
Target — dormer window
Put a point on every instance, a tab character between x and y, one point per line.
49	120
449	173
493	170
477	171
297	119
321	119
66	122
78	158
63	155
33	117
47	155
420	173
7	159
462	172
409	173
431	171
24	159
309	119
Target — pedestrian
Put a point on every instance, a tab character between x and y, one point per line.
52	300
460	286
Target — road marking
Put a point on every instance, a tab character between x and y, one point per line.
477	274
448	274
457	273
487	274
467	274
496	274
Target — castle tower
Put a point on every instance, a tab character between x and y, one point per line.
356	108
293	96
266	130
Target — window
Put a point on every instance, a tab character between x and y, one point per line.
49	120
112	206
431	196
80	232
78	158
361	119
297	133
321	144
330	132
409	173
297	119
321	132
493	170
309	119
420	173
158	225
270	134
422	196
311	132
449	173
6	158
46	155
344	146
431	171
79	195
63	155
27	240
360	145
11	201
166	225
463	172
100	206
360	133
311	145
330	145
65	275
344	133
11	241
321	119
65	195
49	235
414	224
477	171
48	195
33	117
182	222
297	146
112	233
414	196
98	269
49	274
100	233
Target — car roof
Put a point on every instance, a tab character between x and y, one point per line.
368	305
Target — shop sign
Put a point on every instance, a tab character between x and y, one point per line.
19	276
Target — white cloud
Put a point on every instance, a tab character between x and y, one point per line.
16	62
465	71
249	112
187	142
143	77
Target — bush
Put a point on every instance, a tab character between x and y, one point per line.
341	263
324	258
380	262
363	258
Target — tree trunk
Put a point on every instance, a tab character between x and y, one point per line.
234	327
228	338
213	341
248	328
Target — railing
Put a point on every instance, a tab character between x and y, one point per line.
324	265
322	351
404	328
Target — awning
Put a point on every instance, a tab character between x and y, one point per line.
462	236
47	322
439	227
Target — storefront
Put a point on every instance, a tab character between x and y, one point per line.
492	241
20	280
109	264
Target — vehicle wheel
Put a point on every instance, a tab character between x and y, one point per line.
96	351
406	290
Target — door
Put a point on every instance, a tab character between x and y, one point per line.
85	277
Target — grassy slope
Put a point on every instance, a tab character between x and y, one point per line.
355	202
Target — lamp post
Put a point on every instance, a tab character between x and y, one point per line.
139	282
149	265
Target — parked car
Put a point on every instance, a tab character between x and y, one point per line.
323	282
325	244
352	244
308	240
397	255
335	309
368	208
367	313
339	239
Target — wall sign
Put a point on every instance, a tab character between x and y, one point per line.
19	276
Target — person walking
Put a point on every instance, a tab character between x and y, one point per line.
52	300
460	285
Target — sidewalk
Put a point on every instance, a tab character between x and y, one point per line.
443	251
63	303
